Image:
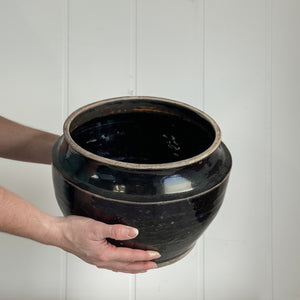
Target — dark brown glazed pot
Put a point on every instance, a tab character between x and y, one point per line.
155	164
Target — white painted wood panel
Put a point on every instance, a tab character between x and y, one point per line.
237	247
170	49
285	148
30	93
99	50
99	66
170	64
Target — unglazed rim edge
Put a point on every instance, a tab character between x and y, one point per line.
135	166
174	260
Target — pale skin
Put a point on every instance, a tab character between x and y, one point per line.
83	237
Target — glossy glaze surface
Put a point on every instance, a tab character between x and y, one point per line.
150	163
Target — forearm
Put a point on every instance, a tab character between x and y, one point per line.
24	143
19	217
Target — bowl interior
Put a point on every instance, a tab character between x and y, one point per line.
142	132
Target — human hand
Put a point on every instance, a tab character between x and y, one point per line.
86	238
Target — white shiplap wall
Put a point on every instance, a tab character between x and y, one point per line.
236	59
30	93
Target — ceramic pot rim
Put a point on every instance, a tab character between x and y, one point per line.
135	166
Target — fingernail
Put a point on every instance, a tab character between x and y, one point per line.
153	254
155	266
132	232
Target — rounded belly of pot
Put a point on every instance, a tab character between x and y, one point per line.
170	227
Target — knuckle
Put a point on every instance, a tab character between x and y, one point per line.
132	256
117	231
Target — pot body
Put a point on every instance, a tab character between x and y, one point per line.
170	203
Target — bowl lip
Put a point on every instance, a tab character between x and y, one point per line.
136	166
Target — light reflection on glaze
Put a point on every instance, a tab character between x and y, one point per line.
176	183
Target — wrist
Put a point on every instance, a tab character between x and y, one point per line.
54	231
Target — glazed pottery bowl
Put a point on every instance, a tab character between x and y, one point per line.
155	164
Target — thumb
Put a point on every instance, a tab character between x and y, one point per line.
120	232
